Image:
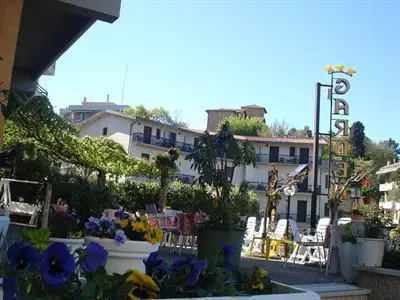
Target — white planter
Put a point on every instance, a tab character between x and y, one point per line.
370	252
72	244
282	292
124	257
348	261
285	292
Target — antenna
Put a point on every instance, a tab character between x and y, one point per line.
123	85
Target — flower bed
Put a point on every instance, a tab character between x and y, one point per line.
37	273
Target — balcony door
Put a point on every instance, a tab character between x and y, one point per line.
172	139
304	155
273	154
147	131
301	211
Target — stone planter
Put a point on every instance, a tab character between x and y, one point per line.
370	252
348	261
124	257
72	244
281	292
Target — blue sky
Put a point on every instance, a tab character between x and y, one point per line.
193	55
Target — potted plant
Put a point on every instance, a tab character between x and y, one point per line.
276	198
215	158
348	254
127	239
64	227
367	191
372	246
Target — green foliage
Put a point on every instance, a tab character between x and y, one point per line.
348	236
85	198
279	128
245	202
38	238
356	139
247	126
159	114
33	123
375	221
210	159
305	132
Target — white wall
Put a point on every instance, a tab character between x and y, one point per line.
117	129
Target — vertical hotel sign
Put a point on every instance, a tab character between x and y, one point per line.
339	122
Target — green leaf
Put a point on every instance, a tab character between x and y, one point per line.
89	290
100	276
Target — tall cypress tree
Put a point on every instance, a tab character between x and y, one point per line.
357	137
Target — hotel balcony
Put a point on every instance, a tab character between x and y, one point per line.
161	142
283	159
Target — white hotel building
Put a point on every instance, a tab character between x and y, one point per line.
144	138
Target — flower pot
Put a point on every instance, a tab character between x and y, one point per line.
348	261
357	217
126	256
367	200
210	243
72	244
370	252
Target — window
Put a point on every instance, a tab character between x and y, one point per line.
146	156
158	133
105	130
273	154
326	210
292	151
327	181
229	172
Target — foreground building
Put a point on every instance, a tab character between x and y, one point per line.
34	34
143	138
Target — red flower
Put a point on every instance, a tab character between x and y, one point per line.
366	183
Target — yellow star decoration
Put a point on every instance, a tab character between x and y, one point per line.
350	71
340	68
329	69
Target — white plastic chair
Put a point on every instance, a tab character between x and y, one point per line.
250	231
312	247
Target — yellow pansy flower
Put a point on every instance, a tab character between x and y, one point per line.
263	272
138	226
142	280
123	222
257	286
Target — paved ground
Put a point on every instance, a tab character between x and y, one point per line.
292	274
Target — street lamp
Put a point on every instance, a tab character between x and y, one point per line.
289	191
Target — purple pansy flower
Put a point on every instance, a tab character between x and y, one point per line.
120	236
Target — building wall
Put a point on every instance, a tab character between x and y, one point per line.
117	129
215	116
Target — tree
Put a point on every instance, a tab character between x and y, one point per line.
159	114
247	126
394	145
165	162
356	139
210	159
279	128
305	132
32	123
379	153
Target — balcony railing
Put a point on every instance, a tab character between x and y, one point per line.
262	186
162	142
184	178
283	159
